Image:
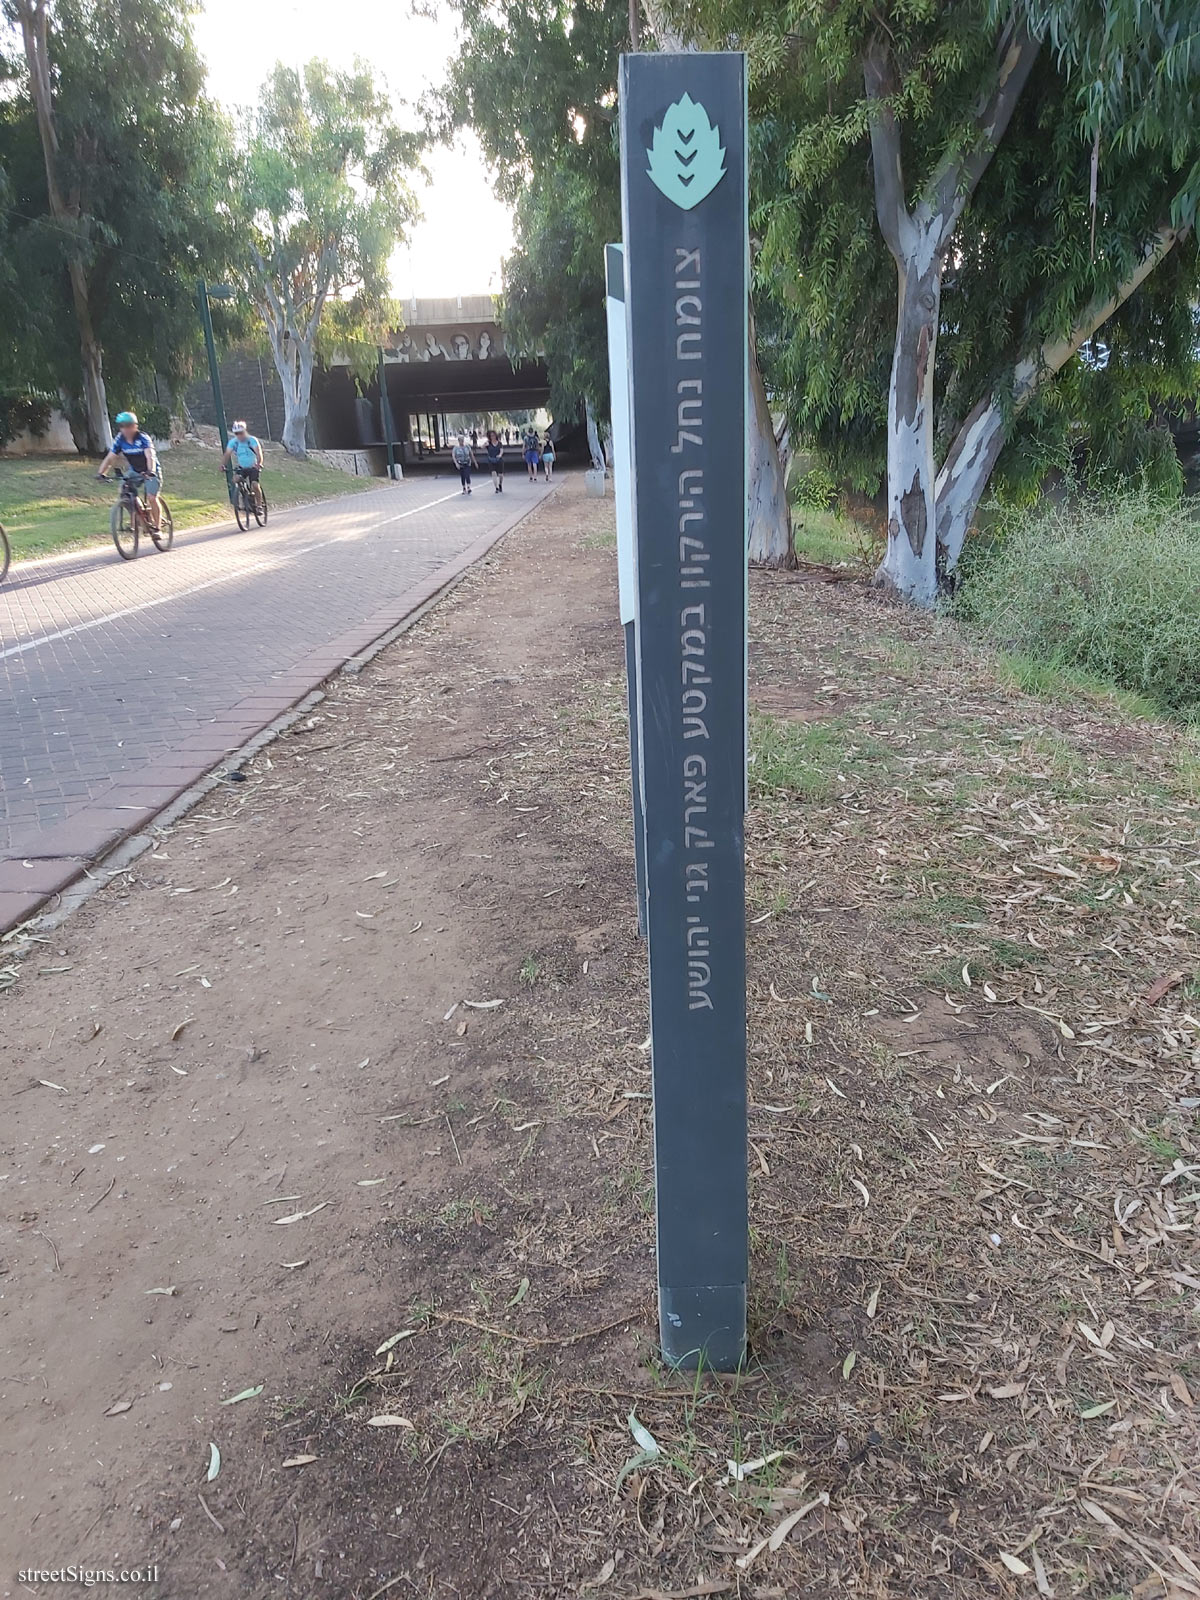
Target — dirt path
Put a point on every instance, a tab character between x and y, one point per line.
227	1029
975	1071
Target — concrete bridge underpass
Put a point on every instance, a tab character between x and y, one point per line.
449	358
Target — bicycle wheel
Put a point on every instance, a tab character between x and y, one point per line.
259	503
240	508
124	530
5	555
165	536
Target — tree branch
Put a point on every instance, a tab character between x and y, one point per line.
894	221
1032	371
958	174
978	443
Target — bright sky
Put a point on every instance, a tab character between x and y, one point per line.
458	246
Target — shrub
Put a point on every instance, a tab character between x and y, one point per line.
1107	587
155	419
22	411
815	490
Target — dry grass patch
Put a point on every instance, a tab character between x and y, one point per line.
974	1023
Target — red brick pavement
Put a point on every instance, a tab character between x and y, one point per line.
123	683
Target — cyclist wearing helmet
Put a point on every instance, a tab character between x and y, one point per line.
247	454
133	452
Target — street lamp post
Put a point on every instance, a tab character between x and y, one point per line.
385	417
218	291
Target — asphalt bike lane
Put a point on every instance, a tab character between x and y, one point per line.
122	682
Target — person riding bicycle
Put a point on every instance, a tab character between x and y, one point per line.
247	454
133	452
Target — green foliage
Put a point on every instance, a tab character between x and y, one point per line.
155	420
537	84
1030	252
140	146
22	412
1103	587
554	285
816	490
320	197
826	539
1131	452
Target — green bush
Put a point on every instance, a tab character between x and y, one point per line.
815	490
21	411
155	419
1106	587
1132	453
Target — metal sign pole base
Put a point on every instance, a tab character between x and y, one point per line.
703	1327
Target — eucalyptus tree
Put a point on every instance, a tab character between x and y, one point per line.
538	85
320	198
111	150
976	219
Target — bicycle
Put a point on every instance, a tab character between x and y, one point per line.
131	517
247	504
5	554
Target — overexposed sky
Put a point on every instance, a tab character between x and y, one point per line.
457	248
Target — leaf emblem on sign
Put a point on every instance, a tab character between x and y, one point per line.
687	159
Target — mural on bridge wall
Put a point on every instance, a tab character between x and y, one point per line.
448	344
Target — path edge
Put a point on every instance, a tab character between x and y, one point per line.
72	879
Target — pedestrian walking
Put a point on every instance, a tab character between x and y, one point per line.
548	458
494	454
533	453
464	460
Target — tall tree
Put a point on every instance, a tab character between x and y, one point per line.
1030	167
554	280
118	212
321	198
538	84
33	19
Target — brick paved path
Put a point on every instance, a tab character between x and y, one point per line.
122	682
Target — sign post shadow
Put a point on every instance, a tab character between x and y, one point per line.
683	185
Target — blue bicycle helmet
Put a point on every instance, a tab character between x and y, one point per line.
126	416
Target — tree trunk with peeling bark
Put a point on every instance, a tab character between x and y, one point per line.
295	368
292	334
768	515
919	237
908	564
978	443
930	513
91	429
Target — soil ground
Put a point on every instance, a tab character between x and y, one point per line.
343	1092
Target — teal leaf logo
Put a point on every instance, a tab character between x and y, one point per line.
687	159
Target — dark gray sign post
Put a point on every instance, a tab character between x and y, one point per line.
683	179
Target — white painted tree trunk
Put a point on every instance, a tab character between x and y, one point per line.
974	453
918	239
294	364
595	448
964	477
909	565
768	515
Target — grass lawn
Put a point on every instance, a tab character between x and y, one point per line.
54	502
833	539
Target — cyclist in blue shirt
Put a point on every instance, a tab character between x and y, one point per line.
246	453
133	452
